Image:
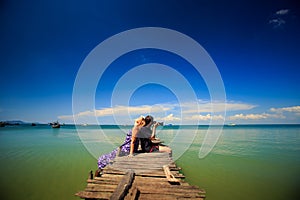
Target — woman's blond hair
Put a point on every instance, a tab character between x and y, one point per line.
139	122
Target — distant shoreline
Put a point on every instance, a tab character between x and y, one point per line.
21	123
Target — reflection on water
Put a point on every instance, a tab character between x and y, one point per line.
55	131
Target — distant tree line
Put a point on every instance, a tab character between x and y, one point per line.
2	124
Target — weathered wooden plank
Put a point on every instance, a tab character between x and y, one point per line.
175	193
143	157
157	172
166	197
112	181
110	175
150	180
191	198
133	193
106	182
141	170
101	184
176	187
155	185
161	174
93	195
141	163
170	177
100	187
112	171
156	196
121	166
153	154
124	186
169	190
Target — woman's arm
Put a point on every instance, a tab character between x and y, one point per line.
154	130
133	139
132	145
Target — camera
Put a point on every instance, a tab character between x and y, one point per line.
159	123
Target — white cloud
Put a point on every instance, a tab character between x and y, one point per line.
255	116
191	111
293	109
207	106
122	110
187	113
169	118
277	22
118	110
279	18
282	12
274	113
206	117
66	117
239	106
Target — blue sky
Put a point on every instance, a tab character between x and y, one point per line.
254	44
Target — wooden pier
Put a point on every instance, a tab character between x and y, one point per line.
143	176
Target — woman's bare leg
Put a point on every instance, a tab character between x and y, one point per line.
165	149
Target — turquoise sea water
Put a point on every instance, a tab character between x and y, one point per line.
248	162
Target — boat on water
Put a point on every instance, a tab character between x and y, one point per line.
2	124
55	125
231	124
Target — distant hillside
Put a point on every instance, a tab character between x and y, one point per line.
11	122
16	122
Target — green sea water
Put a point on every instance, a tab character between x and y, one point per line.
248	162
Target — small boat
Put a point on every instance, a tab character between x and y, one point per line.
55	125
2	124
231	124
